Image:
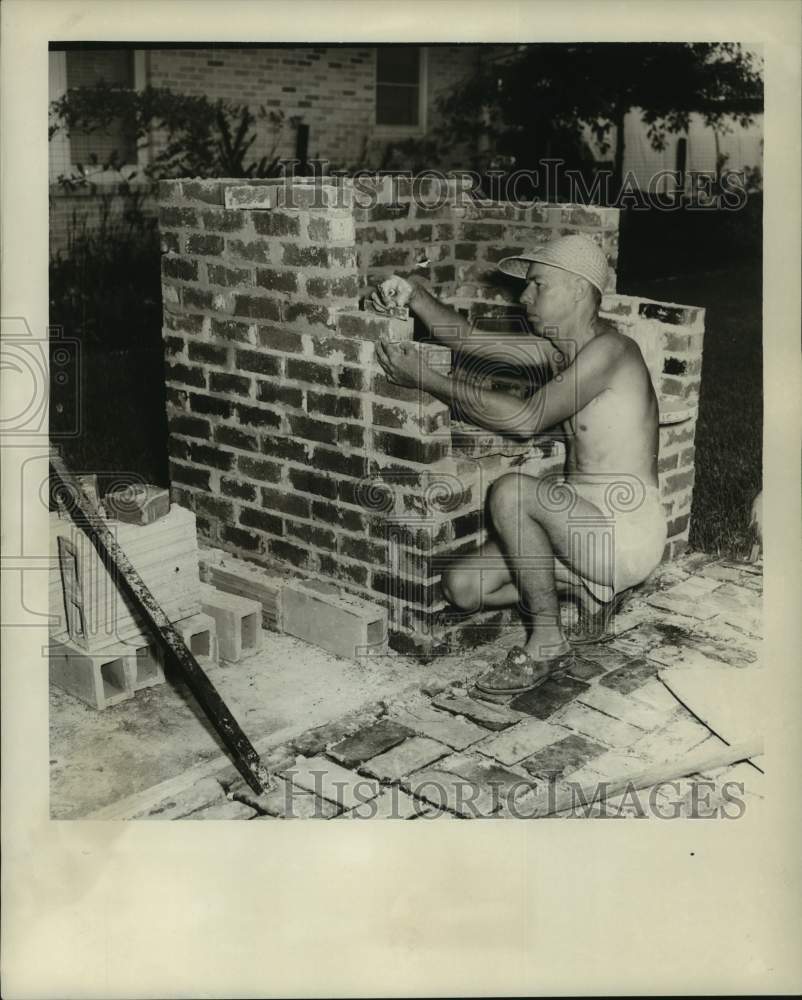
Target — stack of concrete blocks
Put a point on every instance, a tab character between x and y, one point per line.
100	647
286	438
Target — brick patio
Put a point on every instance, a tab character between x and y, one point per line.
441	752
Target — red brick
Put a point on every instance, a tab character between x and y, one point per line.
236	489
226	329
178	267
312	482
210	246
312	430
235	385
350	378
330	405
284	448
287	503
215	507
256	361
209	354
280	340
236	438
308	371
189	476
275	223
196	298
340	570
277	281
410	449
261	520
187	374
171	217
340	287
321	538
269	392
191	427
258	418
370	326
228	277
239	538
312	315
216	458
325	347
257	251
297	255
340	516
679	481
223	221
298	557
258	468
257	308
354	466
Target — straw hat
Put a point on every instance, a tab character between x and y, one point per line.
574	253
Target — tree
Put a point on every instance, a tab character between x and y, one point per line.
532	101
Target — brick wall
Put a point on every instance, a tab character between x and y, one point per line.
286	438
331	87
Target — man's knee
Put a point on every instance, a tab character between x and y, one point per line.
505	499
461	588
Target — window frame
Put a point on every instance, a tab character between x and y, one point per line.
57	70
423	87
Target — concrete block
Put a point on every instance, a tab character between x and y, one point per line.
145	663
200	636
235	576
339	623
238	621
100	680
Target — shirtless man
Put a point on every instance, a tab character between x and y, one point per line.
604	528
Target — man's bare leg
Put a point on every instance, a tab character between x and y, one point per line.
533	531
531	556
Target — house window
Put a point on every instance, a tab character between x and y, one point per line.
398	85
116	143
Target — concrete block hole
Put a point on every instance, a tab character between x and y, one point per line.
113	676
251	625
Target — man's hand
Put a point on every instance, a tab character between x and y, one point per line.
402	362
394	291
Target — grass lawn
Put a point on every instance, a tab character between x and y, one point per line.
729	432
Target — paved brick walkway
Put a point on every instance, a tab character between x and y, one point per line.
446	753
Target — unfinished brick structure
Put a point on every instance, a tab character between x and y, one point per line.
286	438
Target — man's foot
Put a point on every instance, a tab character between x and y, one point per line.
521	672
596	623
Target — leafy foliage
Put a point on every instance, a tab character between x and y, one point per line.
535	101
187	135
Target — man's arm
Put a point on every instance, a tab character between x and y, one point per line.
569	391
449	327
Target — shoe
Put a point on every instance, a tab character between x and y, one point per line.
520	672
